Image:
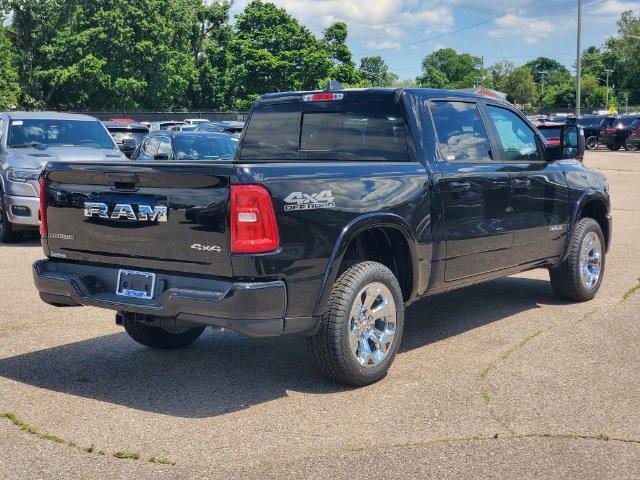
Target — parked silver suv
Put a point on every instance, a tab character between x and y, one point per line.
28	141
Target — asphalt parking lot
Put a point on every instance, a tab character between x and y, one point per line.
494	380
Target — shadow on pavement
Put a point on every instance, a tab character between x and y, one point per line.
224	372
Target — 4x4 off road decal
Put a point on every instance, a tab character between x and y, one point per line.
309	201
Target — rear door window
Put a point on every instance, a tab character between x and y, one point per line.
460	131
349	131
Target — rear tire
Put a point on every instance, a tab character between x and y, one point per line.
7	233
592	142
613	148
361	328
159	337
579	277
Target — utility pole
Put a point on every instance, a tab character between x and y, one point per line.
579	60
608	71
543	74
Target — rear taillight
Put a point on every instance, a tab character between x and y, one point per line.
253	221
44	231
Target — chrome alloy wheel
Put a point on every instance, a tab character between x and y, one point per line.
372	326
590	260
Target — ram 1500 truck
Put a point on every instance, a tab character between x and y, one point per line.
339	209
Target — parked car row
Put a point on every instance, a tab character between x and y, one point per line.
612	132
129	135
28	141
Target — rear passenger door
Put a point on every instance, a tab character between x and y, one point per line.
539	197
474	191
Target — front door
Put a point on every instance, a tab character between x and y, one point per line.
474	191
539	193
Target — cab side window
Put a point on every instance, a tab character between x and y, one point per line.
460	132
519	142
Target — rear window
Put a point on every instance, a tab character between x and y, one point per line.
627	122
349	131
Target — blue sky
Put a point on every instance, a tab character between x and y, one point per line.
547	27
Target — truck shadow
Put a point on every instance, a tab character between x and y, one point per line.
225	372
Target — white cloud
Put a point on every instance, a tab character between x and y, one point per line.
612	8
380	22
531	29
375	45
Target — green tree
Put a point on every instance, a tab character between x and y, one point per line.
343	70
446	68
210	41
520	87
497	73
375	73
9	84
34	24
274	53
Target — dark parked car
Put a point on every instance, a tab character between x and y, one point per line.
339	208
633	142
593	126
170	145
232	128
616	135
127	136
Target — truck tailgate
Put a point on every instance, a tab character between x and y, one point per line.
155	217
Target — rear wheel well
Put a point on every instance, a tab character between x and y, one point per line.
597	210
385	245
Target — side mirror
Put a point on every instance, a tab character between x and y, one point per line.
129	142
161	156
572	145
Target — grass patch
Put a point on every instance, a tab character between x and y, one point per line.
163	461
127	455
30	429
486	396
484	374
507	353
631	292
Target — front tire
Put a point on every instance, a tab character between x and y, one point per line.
613	148
159	337
361	328
579	277
7	233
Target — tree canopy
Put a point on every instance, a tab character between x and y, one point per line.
189	54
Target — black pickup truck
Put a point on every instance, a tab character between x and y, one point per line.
339	209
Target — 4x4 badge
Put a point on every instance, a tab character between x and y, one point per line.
309	201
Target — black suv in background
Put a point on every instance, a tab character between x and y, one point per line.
615	136
127	135
338	209
187	145
593	126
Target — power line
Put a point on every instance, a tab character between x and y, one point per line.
462	29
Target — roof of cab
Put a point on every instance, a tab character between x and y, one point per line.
374	95
49	116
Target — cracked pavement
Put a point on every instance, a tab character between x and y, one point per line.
495	380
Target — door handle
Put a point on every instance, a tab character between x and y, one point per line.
460	186
521	182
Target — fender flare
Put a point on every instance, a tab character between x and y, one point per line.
588	196
355	227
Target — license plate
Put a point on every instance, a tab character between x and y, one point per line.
134	284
